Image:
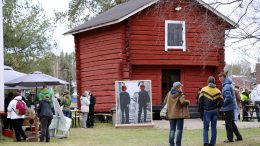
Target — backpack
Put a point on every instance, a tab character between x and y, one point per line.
20	108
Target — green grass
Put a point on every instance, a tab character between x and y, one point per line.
106	135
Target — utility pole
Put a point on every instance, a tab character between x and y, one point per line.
68	78
1	60
1	66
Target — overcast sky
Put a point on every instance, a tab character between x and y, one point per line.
65	43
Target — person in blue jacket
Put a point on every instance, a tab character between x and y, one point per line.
228	107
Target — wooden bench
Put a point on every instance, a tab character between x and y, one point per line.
103	117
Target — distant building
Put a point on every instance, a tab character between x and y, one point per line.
243	82
257	73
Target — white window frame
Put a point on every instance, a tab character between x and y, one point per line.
183	47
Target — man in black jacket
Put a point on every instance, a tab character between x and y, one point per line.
45	115
124	105
90	120
143	100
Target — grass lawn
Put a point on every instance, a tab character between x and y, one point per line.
106	135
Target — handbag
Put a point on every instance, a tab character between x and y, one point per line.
164	110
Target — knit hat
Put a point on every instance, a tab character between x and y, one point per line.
176	84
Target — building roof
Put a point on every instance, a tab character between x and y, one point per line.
125	10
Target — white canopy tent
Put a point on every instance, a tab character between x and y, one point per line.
10	74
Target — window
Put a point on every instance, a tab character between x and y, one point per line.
175	35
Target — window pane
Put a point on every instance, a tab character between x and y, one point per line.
174	34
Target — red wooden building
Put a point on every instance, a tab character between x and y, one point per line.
162	41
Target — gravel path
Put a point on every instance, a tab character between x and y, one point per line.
197	124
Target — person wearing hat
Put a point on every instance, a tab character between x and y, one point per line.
66	102
124	104
228	107
143	100
45	115
210	100
177	112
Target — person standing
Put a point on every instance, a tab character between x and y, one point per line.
228	107
245	101
90	120
143	100
210	100
66	102
45	115
177	112
239	105
255	97
16	117
124	105
45	91
85	101
6	118
198	95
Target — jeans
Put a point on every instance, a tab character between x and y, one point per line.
173	124
45	123
84	119
210	117
231	126
142	107
236	113
17	125
257	104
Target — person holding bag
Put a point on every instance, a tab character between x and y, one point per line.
163	112
177	112
16	110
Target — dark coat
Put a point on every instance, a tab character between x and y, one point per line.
177	107
143	98
124	99
45	109
92	103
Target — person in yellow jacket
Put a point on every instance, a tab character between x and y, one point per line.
245	101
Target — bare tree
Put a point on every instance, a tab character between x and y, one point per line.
246	14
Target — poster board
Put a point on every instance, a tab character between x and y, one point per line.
133	103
